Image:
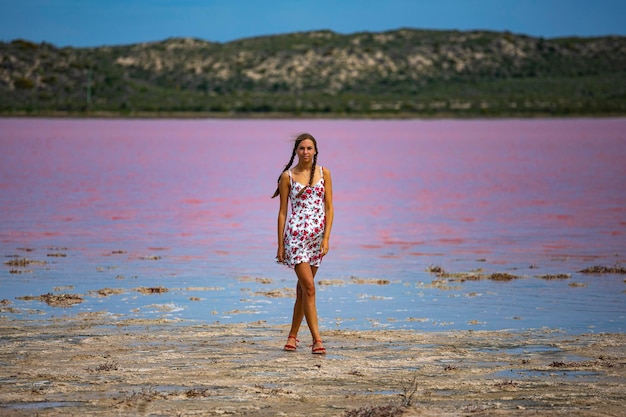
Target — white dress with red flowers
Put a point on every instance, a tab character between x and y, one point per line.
305	228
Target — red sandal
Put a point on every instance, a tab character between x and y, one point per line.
291	348
319	350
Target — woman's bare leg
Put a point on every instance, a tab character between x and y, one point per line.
303	298
307	285
298	312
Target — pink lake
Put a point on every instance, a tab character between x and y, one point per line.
186	204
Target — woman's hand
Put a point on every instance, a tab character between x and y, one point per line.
280	255
324	247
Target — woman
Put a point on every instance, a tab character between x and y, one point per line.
303	239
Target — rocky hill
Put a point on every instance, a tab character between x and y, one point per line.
402	72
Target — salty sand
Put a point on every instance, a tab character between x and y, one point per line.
100	364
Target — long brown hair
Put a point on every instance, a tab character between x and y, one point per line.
299	139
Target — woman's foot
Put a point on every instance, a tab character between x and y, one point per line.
317	348
292	344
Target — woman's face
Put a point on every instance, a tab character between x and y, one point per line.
306	150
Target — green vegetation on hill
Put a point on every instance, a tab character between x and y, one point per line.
397	73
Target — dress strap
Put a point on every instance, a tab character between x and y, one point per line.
322	172
290	177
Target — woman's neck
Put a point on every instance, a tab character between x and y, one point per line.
304	166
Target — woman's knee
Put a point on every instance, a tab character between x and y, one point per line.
306	284
309	290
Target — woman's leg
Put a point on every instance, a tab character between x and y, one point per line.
307	284
298	313
298	308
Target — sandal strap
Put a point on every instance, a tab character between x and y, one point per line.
318	350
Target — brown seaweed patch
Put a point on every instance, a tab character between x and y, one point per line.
444	277
150	258
255	279
20	271
596	363
151	290
23	262
195	393
599	269
463	276
577	284
11	310
105	292
55	300
150	394
374	281
554	276
57	255
456	276
390	410
146	395
502	276
331	282
436	269
277	293
107	366
439	283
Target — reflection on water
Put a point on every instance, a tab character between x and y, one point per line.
185	204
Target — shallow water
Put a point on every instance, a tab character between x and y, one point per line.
184	204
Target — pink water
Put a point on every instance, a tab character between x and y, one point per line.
501	195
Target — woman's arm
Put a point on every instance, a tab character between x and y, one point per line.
283	188
330	213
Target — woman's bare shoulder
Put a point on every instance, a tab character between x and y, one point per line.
284	177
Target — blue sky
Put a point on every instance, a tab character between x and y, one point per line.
112	22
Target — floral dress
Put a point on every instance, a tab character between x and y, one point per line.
305	228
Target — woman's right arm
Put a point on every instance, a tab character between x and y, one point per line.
283	188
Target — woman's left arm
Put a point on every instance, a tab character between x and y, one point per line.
328	206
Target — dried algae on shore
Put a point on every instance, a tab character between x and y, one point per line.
93	364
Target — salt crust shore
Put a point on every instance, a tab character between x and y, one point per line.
95	364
